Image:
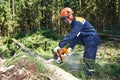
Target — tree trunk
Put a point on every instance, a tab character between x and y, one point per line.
55	71
80	6
9	6
13	8
53	15
43	13
119	13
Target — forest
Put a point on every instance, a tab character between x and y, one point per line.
30	29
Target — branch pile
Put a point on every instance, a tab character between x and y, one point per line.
22	70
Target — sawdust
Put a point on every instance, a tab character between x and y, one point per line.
73	62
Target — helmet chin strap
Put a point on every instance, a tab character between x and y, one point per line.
69	21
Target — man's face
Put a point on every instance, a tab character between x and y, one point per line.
65	20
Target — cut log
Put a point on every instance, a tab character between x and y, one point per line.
58	73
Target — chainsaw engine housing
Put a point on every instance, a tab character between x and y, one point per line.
61	53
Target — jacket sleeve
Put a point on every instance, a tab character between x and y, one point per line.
73	42
74	33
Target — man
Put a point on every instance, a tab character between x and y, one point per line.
81	30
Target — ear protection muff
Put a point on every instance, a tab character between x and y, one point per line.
70	17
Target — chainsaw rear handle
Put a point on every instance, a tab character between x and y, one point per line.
54	55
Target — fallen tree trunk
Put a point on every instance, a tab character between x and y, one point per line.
55	71
111	37
108	35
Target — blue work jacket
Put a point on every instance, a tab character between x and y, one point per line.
81	30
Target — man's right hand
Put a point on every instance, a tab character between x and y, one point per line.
55	49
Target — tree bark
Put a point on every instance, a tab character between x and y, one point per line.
55	71
80	6
53	15
44	12
119	13
9	6
13	8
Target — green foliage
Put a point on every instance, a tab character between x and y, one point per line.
93	10
27	15
7	23
30	15
7	49
19	16
110	30
39	41
107	62
51	34
82	72
107	71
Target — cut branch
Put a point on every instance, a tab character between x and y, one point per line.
55	71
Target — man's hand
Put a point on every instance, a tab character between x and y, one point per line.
55	49
70	51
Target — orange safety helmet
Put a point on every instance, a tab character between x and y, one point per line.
67	13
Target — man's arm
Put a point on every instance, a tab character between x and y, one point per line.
74	33
73	42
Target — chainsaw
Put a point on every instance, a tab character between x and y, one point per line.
60	55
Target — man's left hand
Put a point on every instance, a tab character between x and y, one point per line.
70	51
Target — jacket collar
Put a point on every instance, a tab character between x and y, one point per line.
73	21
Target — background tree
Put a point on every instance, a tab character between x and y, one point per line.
27	15
53	14
119	14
